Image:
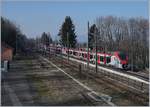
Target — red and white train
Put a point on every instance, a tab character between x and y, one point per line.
116	59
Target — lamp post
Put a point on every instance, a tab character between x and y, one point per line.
96	47
95	35
88	48
68	45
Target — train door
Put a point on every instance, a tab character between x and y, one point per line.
108	59
79	54
98	58
105	59
82	55
93	60
85	56
74	53
90	57
101	59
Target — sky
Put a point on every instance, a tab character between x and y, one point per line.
36	17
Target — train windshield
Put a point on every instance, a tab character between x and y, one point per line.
122	55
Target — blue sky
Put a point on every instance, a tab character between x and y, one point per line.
35	17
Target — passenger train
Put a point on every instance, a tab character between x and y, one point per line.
116	59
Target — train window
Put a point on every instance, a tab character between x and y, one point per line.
101	58
108	59
70	52
82	54
122	55
91	56
79	54
67	52
74	53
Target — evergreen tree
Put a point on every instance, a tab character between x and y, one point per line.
45	39
68	28
49	37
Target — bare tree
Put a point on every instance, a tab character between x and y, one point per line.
122	34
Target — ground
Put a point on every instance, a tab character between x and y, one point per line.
31	81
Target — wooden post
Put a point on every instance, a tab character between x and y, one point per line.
142	86
80	73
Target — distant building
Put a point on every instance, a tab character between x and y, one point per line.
6	52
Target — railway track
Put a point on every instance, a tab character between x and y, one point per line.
138	77
143	76
98	78
138	84
136	74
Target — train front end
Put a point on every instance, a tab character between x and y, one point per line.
123	59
